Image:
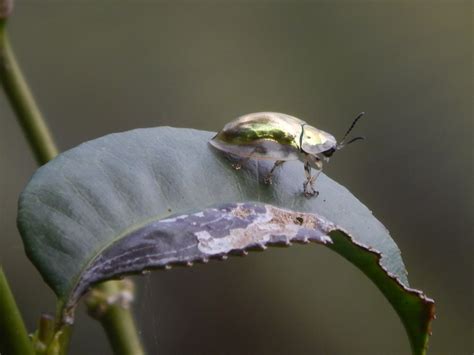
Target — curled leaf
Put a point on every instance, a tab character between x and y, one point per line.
121	204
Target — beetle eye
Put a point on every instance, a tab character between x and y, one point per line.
329	152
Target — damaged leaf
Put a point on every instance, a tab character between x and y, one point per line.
197	237
121	204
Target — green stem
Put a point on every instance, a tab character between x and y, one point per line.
49	339
118	321
109	304
13	335
23	103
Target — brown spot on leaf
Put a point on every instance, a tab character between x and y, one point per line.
284	217
241	212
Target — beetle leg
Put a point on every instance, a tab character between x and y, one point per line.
269	176
238	164
309	190
315	176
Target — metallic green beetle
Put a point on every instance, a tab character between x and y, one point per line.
280	137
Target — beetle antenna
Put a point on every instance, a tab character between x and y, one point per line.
355	139
359	116
342	145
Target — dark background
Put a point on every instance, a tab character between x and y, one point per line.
105	66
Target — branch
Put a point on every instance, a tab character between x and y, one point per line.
109	303
23	103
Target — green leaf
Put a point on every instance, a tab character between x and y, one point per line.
127	202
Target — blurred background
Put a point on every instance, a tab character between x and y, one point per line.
98	67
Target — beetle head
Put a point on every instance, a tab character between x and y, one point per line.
328	153
315	141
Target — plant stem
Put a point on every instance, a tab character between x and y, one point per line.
48	339
118	321
13	335
109	304
23	103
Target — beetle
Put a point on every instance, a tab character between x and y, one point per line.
280	137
